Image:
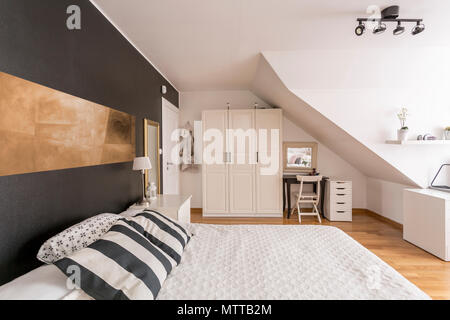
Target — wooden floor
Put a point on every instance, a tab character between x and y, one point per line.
429	273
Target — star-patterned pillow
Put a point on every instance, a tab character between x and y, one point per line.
76	237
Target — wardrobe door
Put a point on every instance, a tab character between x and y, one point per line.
241	169
215	171
269	167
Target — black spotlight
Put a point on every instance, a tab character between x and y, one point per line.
380	28
360	29
399	29
418	28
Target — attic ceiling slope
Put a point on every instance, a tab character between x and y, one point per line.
361	91
268	86
203	45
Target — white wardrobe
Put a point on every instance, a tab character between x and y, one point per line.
248	180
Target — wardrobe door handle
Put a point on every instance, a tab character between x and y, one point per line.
227	157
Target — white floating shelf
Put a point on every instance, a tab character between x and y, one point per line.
419	142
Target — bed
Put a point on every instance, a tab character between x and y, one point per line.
255	262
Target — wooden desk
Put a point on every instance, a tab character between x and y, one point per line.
291	178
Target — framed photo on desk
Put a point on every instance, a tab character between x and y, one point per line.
299	157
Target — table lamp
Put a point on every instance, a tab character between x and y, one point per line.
142	163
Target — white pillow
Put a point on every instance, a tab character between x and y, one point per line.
76	237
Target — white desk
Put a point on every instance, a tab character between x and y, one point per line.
426	220
176	207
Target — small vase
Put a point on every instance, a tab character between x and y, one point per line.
402	134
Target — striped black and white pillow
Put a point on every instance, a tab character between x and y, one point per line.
131	261
163	232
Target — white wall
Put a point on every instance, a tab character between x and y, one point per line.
386	198
329	164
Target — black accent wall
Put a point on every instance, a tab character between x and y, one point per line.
95	63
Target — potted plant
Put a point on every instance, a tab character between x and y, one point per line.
402	133
447	133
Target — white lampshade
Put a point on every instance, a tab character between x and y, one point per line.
142	163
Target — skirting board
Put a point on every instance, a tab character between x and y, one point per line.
379	217
200	210
246	216
355	211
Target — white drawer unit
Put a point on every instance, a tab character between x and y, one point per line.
338	202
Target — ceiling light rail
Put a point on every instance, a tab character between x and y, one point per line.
388	20
389	14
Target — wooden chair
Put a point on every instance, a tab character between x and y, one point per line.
308	198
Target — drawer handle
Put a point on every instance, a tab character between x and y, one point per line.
340	188
340	211
340	194
340	202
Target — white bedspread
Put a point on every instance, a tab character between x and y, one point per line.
282	262
260	262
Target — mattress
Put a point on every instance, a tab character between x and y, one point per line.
256	262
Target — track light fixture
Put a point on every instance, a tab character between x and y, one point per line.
389	14
399	30
380	28
418	28
360	29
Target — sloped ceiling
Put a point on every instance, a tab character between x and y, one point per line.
215	44
360	92
270	87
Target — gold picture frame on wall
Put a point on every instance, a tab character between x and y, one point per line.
299	156
151	150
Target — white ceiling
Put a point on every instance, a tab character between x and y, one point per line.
215	44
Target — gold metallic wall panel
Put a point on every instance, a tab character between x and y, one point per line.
43	129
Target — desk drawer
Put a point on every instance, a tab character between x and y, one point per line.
341	215
341	197
341	206
341	192
341	184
